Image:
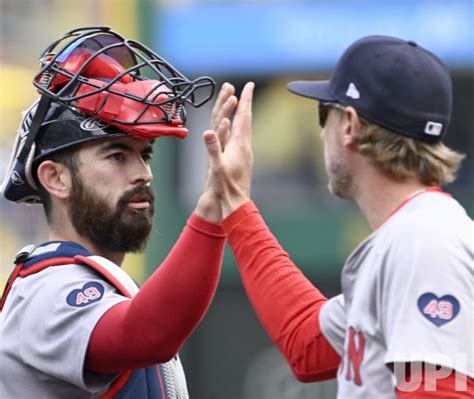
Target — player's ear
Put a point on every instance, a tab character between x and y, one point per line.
352	126
55	177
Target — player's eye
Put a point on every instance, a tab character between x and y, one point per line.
116	156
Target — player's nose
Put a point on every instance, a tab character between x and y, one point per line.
141	173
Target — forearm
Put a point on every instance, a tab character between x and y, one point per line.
152	327
285	301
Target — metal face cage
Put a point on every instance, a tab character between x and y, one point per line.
90	61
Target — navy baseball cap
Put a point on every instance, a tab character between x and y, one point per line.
391	82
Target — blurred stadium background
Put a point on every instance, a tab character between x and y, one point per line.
270	42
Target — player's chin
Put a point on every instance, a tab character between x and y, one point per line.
338	192
137	220
138	226
340	185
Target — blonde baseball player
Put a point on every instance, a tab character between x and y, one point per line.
403	325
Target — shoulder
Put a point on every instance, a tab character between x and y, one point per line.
71	284
429	222
430	239
59	276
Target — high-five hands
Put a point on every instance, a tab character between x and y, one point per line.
229	149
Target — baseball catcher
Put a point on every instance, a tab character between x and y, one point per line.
73	323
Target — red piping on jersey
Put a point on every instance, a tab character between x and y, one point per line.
43	264
117	385
416	194
80	259
14	274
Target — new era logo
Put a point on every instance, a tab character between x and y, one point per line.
433	128
352	91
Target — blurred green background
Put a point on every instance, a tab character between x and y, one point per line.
271	43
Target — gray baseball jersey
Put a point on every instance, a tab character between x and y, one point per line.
407	295
45	328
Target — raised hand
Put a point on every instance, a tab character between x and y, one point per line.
225	104
229	150
208	205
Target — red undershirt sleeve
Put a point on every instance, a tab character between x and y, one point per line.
152	327
285	301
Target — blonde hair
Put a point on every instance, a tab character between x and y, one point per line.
402	157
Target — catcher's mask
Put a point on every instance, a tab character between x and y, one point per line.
94	83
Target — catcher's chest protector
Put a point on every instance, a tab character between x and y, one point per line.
163	381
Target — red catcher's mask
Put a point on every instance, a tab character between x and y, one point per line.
120	82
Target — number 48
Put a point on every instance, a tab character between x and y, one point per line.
441	309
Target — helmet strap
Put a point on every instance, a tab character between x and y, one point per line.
43	107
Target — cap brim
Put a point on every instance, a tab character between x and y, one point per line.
318	90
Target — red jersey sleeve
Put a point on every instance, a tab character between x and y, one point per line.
152	327
285	301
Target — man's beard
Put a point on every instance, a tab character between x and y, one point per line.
340	179
118	230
